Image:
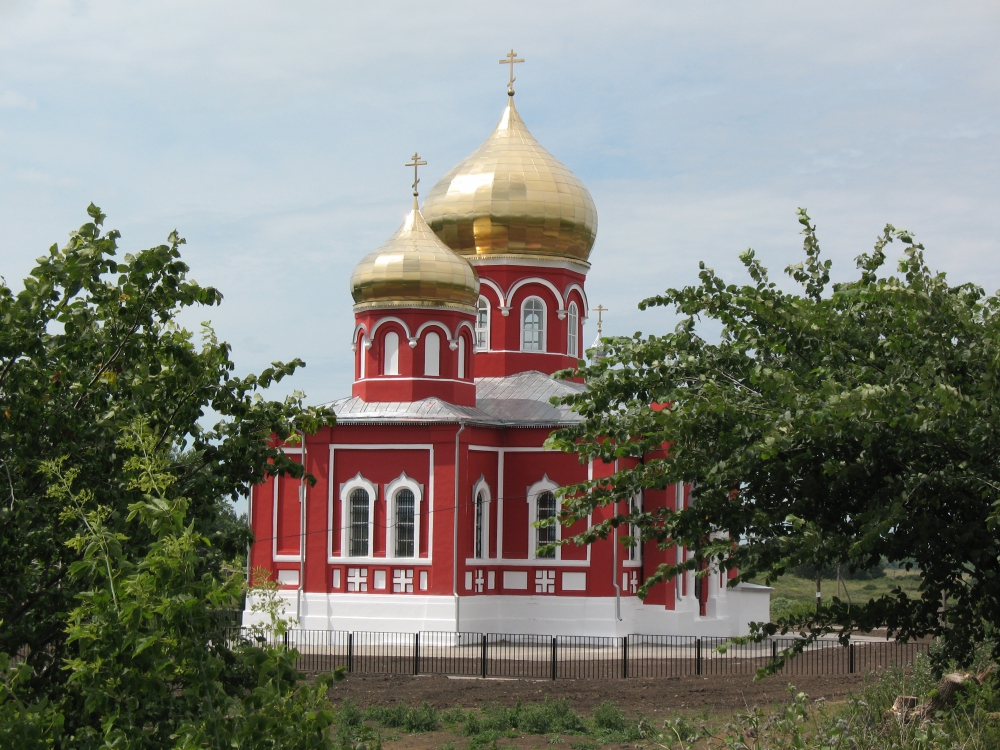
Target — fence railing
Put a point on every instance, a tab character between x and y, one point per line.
570	657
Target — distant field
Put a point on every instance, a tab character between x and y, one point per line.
792	592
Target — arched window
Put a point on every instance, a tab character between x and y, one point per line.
545	508
432	354
405	505
390	351
461	356
572	331
633	531
480	509
483	324
533	325
359	516
363	354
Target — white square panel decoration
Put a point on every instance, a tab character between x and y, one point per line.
288	577
468	580
545	582
379	579
402	581
423	580
336	578
515	579
357	579
491	580
574	581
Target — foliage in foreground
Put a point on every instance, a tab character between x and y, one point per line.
149	664
87	347
863	722
836	426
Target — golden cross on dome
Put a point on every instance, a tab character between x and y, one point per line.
600	310
415	163
511	59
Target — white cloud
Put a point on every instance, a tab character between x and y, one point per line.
14	100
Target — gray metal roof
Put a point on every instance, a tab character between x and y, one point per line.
520	400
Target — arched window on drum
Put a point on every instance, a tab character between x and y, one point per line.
533	325
573	331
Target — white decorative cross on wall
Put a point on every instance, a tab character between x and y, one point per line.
545	582
635	582
402	581
357	579
479	581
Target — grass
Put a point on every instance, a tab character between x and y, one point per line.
794	594
862	722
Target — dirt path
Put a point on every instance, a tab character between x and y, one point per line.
648	697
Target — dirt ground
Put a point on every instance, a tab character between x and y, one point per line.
649	697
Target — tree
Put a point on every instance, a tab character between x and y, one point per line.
835	426
87	348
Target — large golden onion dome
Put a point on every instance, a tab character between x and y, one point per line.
512	197
414	269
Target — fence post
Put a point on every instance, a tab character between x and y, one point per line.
850	659
553	657
484	656
284	638
774	651
697	656
625	656
350	652
416	653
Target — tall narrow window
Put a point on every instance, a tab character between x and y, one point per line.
547	534
572	331
390	347
633	531
480	507
432	355
461	356
359	524
404	523
483	324
362	356
533	325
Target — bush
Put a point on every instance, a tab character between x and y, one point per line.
783	607
413	720
608	716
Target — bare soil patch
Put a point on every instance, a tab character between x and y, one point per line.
651	697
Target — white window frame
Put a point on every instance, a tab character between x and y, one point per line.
573	330
460	372
634	554
397	484
482	486
357	482
432	354
390	364
483	304
542	339
534	492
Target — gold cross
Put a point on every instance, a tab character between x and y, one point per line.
415	163
600	310
511	59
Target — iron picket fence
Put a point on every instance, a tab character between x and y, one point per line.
570	657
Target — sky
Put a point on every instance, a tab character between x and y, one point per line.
272	136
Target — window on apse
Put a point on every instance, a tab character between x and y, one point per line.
405	507
359	514
546	508
483	324
572	334
533	325
480	509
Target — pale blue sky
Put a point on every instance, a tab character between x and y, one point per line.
272	136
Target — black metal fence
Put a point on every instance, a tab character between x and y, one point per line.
571	657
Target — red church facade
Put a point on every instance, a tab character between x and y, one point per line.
429	485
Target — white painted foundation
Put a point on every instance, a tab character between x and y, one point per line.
728	613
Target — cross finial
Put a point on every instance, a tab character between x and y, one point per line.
511	59
600	310
415	163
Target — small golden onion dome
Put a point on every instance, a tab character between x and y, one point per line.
414	269
512	197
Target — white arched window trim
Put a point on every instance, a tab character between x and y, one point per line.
390	353
357	482
543	338
633	557
534	491
483	486
399	483
461	357
432	355
484	313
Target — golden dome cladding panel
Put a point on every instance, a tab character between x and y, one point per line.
511	196
414	268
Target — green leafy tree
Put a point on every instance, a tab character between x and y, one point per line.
88	347
838	425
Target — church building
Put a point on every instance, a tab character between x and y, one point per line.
428	486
